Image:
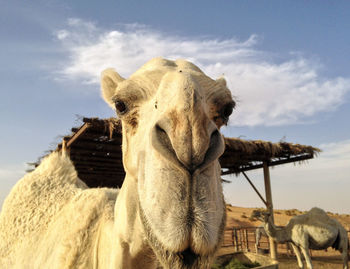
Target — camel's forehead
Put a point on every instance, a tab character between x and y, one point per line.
161	64
157	70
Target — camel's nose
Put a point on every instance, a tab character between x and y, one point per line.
186	142
183	131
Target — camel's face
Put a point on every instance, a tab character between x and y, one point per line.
171	113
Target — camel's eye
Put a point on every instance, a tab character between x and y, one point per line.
227	111
223	114
121	107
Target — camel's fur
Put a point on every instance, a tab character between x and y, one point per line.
170	209
313	230
49	216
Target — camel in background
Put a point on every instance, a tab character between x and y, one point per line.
313	230
259	232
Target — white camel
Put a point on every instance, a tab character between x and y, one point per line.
170	209
313	230
259	232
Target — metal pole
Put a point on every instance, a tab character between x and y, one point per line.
273	249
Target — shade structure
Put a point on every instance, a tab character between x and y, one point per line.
95	148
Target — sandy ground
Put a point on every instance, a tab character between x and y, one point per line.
326	262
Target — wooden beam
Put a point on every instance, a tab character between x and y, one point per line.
298	158
95	146
278	161
74	137
96	132
115	178
85	139
255	189
99	170
95	159
94	165
97	153
268	192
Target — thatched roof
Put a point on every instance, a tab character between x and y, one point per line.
243	155
95	149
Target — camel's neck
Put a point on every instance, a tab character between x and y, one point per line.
103	256
126	211
131	247
280	235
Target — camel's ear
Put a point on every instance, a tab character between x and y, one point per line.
222	81
109	83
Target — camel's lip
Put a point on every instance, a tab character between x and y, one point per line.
188	256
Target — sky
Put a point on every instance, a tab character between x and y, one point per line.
286	63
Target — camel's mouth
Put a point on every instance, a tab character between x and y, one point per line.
188	256
171	259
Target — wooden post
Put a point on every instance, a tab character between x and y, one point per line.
241	238
246	240
235	239
273	249
65	148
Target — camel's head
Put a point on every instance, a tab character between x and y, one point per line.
171	114
263	216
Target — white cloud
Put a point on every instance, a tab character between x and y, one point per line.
62	34
335	158
269	93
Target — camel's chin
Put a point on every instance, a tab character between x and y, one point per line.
192	255
185	259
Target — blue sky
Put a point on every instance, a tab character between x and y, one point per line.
287	63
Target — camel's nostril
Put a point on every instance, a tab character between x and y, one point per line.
163	138
215	150
159	129
162	143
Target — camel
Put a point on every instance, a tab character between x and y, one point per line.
313	230
170	210
260	231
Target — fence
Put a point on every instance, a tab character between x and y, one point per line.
244	239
